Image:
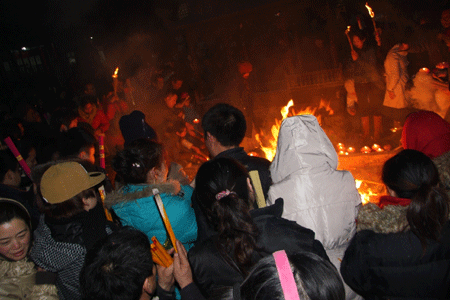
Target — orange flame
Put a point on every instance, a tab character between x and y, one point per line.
269	145
371	13
347	30
116	72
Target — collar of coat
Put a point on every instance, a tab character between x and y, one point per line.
145	190
390	219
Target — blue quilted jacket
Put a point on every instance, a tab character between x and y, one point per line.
135	206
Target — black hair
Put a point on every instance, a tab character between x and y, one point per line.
7	162
63	116
11	209
413	175
117	267
226	123
315	276
134	162
87	99
230	215
70	207
360	34
75	141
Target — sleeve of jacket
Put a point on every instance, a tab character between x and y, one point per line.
391	67
100	121
355	266
44	291
191	292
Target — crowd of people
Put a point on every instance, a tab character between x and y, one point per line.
71	232
80	224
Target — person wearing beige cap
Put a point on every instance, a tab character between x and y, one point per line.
73	221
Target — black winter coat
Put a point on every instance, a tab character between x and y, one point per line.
211	270
393	266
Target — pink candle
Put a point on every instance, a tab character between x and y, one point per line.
19	157
101	144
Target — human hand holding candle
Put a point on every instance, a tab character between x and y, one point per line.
181	268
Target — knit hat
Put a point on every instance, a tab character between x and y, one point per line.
427	132
133	127
66	180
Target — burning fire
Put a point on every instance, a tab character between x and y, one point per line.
367	189
271	141
371	13
115	73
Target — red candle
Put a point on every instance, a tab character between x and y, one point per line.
19	157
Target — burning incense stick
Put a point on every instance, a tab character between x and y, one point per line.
347	31
19	157
165	218
115	80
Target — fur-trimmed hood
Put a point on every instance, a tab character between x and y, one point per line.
129	193
442	163
390	219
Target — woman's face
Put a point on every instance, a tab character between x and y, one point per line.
14	239
357	42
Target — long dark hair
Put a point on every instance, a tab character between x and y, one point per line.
230	215
413	175
315	276
11	209
134	162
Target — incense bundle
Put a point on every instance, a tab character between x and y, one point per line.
260	200
19	157
159	254
165	218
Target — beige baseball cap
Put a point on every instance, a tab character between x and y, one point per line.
66	180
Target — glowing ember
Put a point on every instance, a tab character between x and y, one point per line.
366	149
196	121
369	190
375	147
371	13
269	145
351	149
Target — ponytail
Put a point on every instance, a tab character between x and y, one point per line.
224	197
237	231
413	175
428	213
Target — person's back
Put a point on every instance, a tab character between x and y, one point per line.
429	133
243	235
73	221
305	175
142	169
402	247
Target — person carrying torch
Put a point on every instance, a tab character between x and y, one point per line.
363	68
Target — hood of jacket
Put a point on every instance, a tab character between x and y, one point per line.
132	192
303	147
